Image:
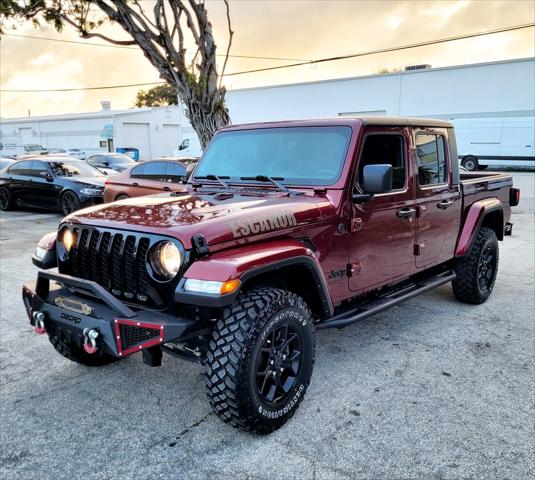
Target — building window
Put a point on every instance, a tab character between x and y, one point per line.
432	169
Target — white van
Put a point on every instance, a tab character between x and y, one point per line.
11	150
190	147
495	142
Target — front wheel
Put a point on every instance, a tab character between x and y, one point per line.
69	203
476	272
260	360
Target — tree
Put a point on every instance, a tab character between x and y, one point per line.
158	96
162	34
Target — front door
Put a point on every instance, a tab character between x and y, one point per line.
383	229
438	200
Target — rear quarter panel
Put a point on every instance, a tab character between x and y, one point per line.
482	192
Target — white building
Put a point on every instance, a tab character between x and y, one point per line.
486	90
495	89
154	131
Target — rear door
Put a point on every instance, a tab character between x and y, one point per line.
147	178
383	230
436	198
19	176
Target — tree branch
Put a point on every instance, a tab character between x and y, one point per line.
230	35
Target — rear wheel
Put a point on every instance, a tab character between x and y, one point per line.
470	163
5	199
121	197
476	273
260	360
69	203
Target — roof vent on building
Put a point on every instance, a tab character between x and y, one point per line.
106	104
423	66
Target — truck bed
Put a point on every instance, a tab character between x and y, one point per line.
481	185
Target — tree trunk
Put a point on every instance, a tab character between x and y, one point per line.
207	119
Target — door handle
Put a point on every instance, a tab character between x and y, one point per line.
167	189
445	204
135	184
406	212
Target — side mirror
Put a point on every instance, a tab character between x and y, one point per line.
189	171
375	179
46	176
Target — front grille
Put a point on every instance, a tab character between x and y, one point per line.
132	335
118	262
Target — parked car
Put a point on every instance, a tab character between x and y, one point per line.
111	161
146	178
12	150
51	183
69	152
6	162
285	228
190	147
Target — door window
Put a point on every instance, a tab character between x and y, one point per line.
21	168
39	169
432	168
137	172
154	171
174	172
385	149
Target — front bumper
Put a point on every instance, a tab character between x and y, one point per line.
73	306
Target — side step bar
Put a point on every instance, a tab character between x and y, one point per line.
385	301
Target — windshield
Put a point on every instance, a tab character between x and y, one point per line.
34	148
74	168
299	155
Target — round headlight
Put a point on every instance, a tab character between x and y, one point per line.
68	239
165	260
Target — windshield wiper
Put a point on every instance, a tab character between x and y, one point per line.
214	177
273	180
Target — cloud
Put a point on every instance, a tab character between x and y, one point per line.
297	29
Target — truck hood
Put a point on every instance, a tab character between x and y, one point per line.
219	217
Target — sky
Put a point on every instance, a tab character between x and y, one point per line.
292	29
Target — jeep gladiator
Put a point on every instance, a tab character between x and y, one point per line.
283	229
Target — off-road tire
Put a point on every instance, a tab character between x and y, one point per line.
466	285
5	199
233	353
77	354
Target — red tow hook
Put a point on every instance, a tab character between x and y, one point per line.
90	340
39	319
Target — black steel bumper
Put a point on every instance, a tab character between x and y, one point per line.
73	306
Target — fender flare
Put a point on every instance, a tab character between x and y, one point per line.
473	221
229	265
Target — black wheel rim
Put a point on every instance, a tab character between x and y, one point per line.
279	364
486	268
4	199
68	203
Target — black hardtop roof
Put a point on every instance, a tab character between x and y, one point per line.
353	121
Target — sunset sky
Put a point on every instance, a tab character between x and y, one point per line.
293	29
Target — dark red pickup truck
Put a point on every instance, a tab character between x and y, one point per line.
283	229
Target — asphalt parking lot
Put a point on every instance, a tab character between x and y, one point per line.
432	389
